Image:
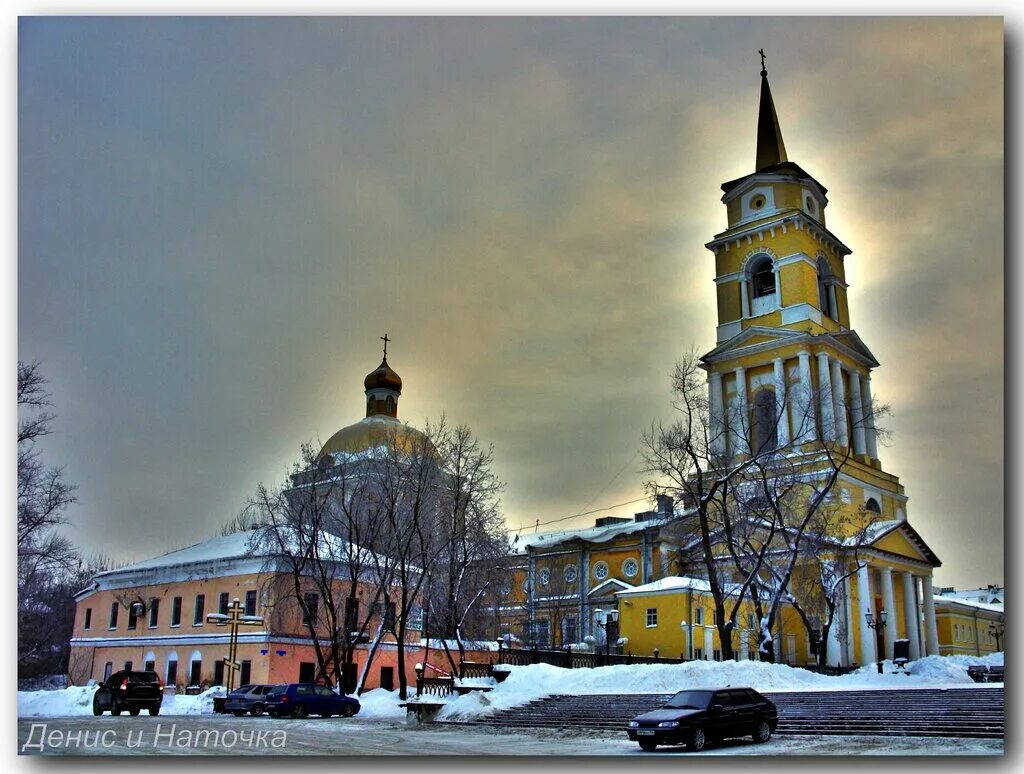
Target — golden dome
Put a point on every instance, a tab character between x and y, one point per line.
384	378
371	432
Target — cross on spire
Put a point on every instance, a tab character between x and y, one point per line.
763	70
385	339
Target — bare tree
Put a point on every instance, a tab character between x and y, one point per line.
754	491
47	560
472	532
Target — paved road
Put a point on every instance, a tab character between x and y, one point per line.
218	735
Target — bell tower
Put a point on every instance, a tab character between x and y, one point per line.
784	340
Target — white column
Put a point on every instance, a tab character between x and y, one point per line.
744	644
739	421
744	298
828	414
919	616
781	402
890	609
803	418
717	413
865	601
833	305
709	642
687	653
871	436
857	408
778	287
839	401
848	650
910	615
930	629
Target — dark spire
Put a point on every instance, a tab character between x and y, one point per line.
770	148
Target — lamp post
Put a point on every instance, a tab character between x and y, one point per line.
607	621
875	626
996	629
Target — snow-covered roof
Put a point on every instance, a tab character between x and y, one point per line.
989	606
234	546
677	583
594	534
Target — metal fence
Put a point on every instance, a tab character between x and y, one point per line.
576	659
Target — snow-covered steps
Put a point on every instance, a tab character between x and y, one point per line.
931	712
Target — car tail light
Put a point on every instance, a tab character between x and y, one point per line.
284	697
124	684
160	681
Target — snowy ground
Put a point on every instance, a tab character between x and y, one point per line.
138	736
532	682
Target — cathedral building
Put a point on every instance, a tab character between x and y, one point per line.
789	364
156	614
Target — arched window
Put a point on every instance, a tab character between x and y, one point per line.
872	505
764	427
826	289
762	277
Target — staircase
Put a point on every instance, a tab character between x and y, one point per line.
933	712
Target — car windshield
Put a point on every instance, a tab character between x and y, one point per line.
690	699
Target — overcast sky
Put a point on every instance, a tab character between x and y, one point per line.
219	218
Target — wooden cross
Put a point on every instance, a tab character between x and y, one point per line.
385	339
761	52
234	618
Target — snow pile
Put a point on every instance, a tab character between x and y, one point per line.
77	700
526	683
379	703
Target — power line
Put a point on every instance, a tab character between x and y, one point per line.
583	513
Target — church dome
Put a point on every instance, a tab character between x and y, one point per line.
383	378
371	432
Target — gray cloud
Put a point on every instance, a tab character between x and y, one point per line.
218	218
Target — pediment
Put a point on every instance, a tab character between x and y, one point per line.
755	335
903	540
610	587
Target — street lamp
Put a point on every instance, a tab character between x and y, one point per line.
875	626
607	621
996	629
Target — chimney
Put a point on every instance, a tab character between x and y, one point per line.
665	504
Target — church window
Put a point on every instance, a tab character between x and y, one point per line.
310	609
176	612
810	205
154	613
762	277
545	576
652	617
757	202
569	630
113	616
872	505
765	424
698	617
826	289
133	618
570	573
630	568
222	603
250	603
88	618
601	570
108	669
200	608
390	404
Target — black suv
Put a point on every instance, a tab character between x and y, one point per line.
132	691
697	717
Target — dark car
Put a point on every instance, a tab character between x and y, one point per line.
697	717
129	690
298	700
248	698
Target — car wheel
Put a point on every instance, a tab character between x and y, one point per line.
154	710
697	740
348	711
134	711
257	710
648	745
298	711
762	732
96	708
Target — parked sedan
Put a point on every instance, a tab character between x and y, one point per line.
697	717
248	698
298	700
128	690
